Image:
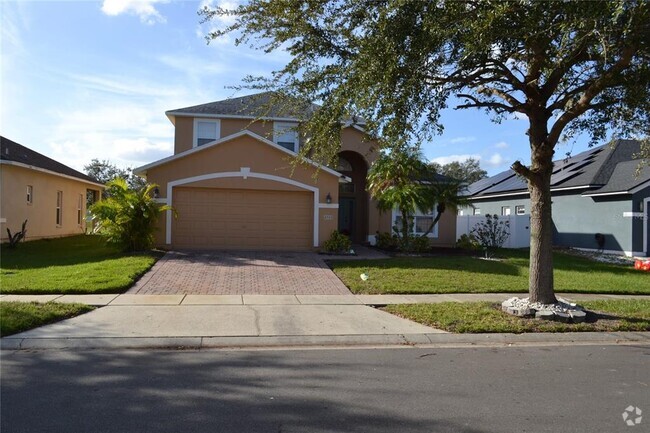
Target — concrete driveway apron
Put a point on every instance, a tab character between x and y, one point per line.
240	273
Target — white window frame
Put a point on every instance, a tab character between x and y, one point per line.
521	208
80	208
419	213
505	211
217	127
30	194
59	208
282	128
477	211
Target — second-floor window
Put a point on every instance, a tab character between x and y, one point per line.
205	131
286	135
30	194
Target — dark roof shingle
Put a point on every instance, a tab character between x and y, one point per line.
12	151
606	168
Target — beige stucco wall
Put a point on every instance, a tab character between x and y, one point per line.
184	133
41	213
246	151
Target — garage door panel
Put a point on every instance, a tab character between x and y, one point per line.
242	219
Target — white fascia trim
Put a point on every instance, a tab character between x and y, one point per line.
509	194
243	173
640	186
567	188
230	116
183	154
602	194
328	205
54	173
633	214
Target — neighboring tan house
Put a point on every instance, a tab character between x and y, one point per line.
232	184
594	192
49	195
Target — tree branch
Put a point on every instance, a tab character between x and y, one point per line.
590	93
522	170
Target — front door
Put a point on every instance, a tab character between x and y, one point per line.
346	216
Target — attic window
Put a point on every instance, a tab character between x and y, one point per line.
286	135
206	131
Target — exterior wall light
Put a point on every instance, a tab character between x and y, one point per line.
328	199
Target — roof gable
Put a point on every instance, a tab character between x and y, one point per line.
12	152
144	168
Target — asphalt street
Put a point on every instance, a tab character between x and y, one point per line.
504	389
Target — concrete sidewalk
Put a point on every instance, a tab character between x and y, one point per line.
372	300
208	321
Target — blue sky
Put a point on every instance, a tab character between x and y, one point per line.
92	79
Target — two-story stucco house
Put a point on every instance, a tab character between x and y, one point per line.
232	185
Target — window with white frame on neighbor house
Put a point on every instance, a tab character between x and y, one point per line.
30	194
285	134
59	208
477	211
505	210
520	210
206	131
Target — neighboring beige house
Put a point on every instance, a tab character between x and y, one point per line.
232	185
49	195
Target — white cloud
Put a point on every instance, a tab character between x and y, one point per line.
501	145
459	140
144	9
495	160
442	160
225	20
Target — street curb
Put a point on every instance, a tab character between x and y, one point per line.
330	341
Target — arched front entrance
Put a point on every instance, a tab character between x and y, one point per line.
353	198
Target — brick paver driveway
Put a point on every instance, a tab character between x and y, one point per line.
240	273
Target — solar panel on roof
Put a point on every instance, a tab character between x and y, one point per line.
566	175
514	183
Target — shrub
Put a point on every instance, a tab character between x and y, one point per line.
468	242
127	217
387	241
337	243
491	233
419	244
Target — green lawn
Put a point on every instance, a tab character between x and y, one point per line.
20	316
462	274
76	264
481	317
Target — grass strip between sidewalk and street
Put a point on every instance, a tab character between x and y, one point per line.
466	274
75	264
487	317
17	317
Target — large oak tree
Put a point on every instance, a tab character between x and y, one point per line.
568	67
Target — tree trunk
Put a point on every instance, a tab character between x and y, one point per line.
541	224
405	231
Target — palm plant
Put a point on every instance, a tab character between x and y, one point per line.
443	194
393	183
128	217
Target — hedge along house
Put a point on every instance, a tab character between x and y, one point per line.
52	197
233	186
599	201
